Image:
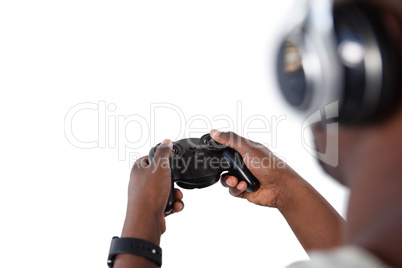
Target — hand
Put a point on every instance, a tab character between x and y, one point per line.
314	221
271	172
148	194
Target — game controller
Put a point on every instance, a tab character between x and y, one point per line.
199	163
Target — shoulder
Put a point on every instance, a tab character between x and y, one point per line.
346	257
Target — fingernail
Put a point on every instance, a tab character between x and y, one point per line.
229	183
181	206
239	187
215	132
168	142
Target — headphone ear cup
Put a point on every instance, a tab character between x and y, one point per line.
371	84
354	75
390	92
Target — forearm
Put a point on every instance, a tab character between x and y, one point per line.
316	224
142	227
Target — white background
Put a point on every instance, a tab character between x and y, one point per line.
60	204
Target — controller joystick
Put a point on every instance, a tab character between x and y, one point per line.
199	163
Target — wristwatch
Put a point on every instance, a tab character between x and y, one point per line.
134	246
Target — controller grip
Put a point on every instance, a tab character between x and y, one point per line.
169	205
238	168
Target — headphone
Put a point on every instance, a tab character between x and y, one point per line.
338	55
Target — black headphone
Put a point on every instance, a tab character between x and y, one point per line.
339	55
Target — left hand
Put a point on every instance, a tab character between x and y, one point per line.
148	194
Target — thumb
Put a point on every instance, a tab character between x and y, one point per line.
162	155
231	139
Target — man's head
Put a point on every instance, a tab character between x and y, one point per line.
357	142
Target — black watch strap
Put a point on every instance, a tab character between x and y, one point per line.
134	246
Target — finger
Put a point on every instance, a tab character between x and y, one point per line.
178	195
162	154
229	180
231	139
177	207
238	191
178	204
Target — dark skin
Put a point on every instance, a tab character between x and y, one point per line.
281	188
372	169
148	192
369	164
375	208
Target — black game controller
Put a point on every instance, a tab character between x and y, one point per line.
199	163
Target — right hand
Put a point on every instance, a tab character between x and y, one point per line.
272	173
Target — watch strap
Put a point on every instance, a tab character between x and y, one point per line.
134	246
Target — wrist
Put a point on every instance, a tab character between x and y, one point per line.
291	187
142	225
